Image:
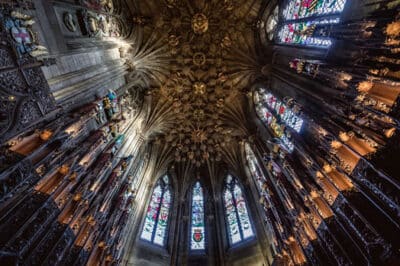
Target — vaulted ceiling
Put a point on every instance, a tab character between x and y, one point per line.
199	60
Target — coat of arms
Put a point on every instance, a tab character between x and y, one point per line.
19	26
197	235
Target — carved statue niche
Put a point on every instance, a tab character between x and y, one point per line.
69	22
89	22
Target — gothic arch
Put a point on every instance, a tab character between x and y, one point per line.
147	251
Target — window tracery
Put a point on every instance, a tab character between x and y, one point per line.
237	217
306	22
156	220
197	240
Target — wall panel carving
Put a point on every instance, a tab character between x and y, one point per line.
25	95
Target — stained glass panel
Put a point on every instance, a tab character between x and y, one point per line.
163	219
303	16
198	230
156	220
276	115
239	226
297	9
152	212
301	33
233	223
244	219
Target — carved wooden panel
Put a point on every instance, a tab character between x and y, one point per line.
24	93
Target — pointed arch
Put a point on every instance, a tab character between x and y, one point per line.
236	213
158	212
197	227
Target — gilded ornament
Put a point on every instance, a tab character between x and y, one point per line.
199	88
199	59
199	23
226	42
173	40
45	135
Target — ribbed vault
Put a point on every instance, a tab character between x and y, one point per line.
198	60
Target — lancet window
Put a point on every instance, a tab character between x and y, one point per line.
198	232
305	22
276	115
237	217
157	216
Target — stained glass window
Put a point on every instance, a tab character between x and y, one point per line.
197	241
239	225
156	220
277	116
298	9
305	22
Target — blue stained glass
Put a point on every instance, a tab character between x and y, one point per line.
156	220
197	241
239	225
